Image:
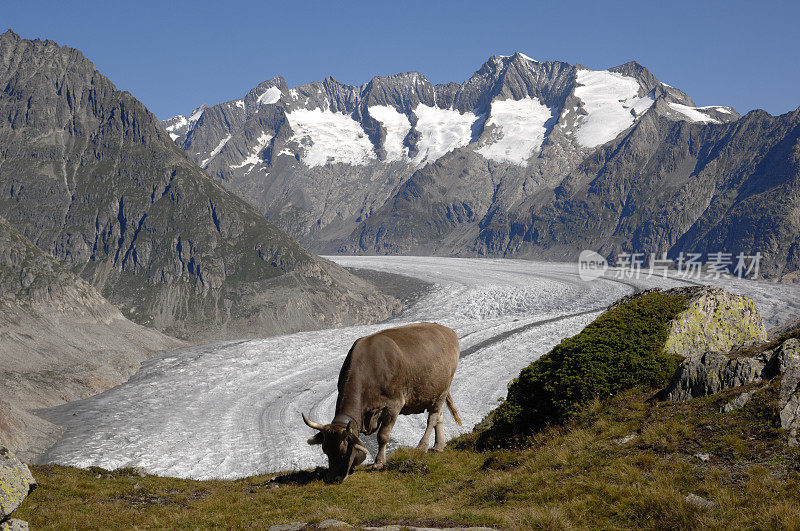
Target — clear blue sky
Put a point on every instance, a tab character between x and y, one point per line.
175	55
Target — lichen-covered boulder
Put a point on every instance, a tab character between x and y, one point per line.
16	482
714	320
13	524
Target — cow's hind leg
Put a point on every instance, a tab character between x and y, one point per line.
434	419
388	419
439	442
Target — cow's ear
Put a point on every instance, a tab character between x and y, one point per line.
316	439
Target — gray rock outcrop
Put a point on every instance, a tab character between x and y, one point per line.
788	365
712	372
786	361
16	482
738	402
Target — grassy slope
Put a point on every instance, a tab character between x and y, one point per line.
578	475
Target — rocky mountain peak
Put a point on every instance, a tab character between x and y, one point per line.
9	34
405	114
509	162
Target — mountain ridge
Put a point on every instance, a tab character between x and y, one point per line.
322	159
89	176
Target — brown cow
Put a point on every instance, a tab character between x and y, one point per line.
398	371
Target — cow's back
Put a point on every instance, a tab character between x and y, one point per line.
424	344
417	361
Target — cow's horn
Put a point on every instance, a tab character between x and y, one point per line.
359	447
312	424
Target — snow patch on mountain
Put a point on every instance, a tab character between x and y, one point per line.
253	158
519	130
695	114
272	95
612	103
397	127
177	125
196	114
330	137
717	108
441	131
215	151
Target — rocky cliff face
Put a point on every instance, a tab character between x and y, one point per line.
523	159
60	340
88	175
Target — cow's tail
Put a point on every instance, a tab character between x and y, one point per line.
452	408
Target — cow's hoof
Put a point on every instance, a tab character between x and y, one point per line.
422	448
377	466
437	449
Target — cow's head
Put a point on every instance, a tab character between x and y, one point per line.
341	445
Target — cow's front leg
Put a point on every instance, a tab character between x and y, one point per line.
387	423
434	417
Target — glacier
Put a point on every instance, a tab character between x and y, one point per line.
521	126
330	137
232	409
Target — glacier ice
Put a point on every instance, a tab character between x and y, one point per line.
232	409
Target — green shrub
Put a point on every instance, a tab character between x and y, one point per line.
621	349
